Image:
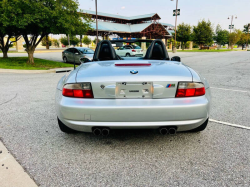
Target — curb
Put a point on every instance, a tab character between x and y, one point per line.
11	172
57	70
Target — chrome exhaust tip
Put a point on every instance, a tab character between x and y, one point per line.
105	132
163	131
172	131
97	131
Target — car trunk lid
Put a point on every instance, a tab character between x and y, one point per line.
134	79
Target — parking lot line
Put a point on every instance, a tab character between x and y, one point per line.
229	124
230	89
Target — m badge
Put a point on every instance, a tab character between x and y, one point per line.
170	86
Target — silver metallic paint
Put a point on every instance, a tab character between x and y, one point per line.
106	110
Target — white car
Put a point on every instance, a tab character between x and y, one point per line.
129	50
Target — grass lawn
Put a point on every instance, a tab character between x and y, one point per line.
212	50
21	63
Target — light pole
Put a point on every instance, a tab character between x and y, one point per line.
96	22
176	14
231	26
232	18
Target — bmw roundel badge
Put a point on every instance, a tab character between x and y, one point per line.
134	72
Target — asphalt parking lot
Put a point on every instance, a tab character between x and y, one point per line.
218	156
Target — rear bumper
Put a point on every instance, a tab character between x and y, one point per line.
83	114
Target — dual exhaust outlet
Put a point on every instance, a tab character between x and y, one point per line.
105	131
167	130
101	131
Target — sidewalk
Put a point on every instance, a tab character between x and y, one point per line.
11	172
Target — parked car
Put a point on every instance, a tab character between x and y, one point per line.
129	50
152	92
75	53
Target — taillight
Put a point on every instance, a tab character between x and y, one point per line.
133	50
190	89
78	90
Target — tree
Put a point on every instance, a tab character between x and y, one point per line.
99	40
243	40
46	41
36	19
7	31
221	36
183	34
86	40
55	42
203	33
247	33
74	40
64	41
234	37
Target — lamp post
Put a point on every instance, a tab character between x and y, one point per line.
231	26
176	14
96	22
232	18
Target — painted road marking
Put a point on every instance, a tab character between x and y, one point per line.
230	124
230	89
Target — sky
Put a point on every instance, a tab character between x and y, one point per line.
192	11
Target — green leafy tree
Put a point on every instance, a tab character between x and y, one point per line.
9	33
247	34
55	42
74	40
36	19
183	34
46	41
203	33
64	41
234	37
86	40
99	40
221	36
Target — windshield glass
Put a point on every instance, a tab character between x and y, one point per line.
86	51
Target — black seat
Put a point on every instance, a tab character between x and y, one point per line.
157	51
104	51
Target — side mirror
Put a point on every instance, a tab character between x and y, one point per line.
84	60
176	58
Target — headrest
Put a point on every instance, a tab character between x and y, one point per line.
104	51
157	51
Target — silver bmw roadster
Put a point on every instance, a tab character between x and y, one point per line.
152	92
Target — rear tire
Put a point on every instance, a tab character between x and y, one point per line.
128	55
200	128
64	128
65	60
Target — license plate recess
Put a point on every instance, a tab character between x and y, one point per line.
134	90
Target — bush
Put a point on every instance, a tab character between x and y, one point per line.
73	40
55	42
86	40
64	41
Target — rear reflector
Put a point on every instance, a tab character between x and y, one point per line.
192	89
134	64
79	90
